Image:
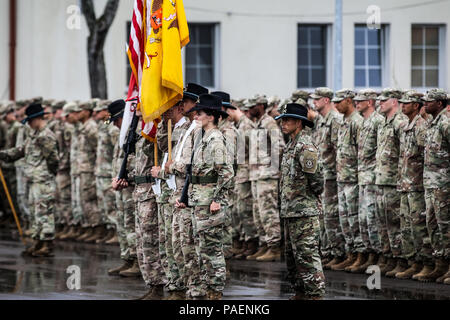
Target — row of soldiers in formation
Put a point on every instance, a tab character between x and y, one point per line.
383	159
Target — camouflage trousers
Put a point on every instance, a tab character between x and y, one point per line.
367	215
266	214
165	219
438	221
106	201
348	216
177	222
126	223
244	210
330	205
212	260
147	242
77	212
88	194
325	245
42	200
23	188
416	244
63	205
388	200
302	255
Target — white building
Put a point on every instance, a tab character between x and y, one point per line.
239	46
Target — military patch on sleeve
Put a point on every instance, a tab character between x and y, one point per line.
309	160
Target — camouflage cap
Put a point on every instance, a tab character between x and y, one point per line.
57	105
273	100
366	94
36	100
260	99
238	103
95	102
248	103
102	105
343	94
48	102
322	92
70	107
411	96
435	94
6	107
86	105
389	93
297	94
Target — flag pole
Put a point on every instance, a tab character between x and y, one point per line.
12	206
169	138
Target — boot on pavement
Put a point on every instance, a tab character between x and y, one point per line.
238	253
361	258
155	293
371	260
46	250
445	276
70	234
412	270
273	254
382	260
402	265
426	270
251	247
114	240
87	232
262	250
227	254
176	295
447	281
351	257
60	232
336	260
237	246
98	233
389	266
37	244
125	266
109	234
440	269
131	272
214	295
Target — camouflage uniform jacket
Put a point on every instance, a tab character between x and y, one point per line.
3	129
244	127
388	149
265	138
209	160
107	137
347	151
54	125
367	148
144	162
40	152
230	133
11	137
118	156
162	138
22	136
412	144
327	129
64	135
301	182
87	146
74	139
436	173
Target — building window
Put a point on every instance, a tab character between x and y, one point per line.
426	55
312	56
369	56
201	55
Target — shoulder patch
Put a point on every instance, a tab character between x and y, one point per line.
308	159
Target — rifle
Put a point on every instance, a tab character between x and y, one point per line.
129	147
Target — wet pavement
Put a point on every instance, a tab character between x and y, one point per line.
46	278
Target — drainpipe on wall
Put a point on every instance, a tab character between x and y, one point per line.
12	49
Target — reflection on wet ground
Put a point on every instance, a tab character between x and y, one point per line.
43	278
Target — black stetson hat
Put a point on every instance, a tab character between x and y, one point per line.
116	110
194	91
33	111
210	102
297	111
226	100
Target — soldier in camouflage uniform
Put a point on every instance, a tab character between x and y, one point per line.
266	144
387	168
436	181
300	187
347	177
327	128
416	245
107	139
40	152
210	183
367	146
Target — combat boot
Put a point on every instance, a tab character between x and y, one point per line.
98	233
427	269
361	258
213	295
237	246
447	281
401	266
440	269
176	295
46	250
273	254
155	293
63	232
351	257
445	276
336	260
250	247
114	240
87	232
390	265
298	296
371	260
262	250
126	265
37	244
109	234
408	273
381	261
132	272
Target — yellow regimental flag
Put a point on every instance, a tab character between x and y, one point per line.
162	78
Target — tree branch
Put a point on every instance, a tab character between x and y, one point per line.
87	8
108	16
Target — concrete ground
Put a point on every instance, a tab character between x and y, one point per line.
46	278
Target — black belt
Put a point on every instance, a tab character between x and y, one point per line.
204	179
143	179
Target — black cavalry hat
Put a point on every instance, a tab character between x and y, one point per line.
226	100
116	110
33	111
194	91
210	102
297	111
